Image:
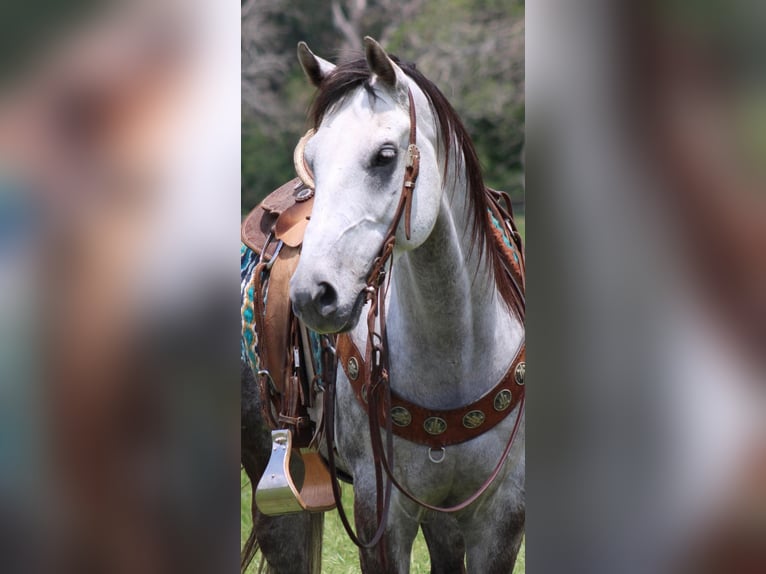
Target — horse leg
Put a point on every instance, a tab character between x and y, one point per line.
392	554
290	544
493	539
446	547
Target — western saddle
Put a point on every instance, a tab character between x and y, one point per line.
296	477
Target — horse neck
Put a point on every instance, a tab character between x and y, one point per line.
450	336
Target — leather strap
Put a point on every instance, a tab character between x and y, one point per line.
411	170
384	460
283	393
329	368
437	428
275	331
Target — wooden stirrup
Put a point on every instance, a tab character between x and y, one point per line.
294	480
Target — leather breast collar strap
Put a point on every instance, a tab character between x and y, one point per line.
437	428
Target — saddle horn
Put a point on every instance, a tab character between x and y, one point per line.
301	169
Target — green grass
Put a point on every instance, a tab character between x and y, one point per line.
339	555
520	223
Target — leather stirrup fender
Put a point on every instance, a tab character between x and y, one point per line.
275	325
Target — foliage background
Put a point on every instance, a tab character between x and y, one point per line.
472	49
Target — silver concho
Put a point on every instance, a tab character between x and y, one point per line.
435	425
503	400
353	369
473	419
519	373
401	416
304	194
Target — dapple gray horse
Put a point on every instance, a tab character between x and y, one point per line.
452	331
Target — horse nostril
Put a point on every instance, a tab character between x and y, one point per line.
327	298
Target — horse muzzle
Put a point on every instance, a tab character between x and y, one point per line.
319	306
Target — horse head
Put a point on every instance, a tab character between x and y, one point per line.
357	157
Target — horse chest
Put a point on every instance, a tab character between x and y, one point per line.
464	466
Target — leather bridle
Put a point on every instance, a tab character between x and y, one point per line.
375	367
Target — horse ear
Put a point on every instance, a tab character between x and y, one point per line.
381	65
315	68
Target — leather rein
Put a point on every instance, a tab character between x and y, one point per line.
372	375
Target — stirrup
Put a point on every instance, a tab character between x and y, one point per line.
294	480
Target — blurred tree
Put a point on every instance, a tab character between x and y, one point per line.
27	29
472	49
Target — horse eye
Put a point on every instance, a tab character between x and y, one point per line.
385	156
